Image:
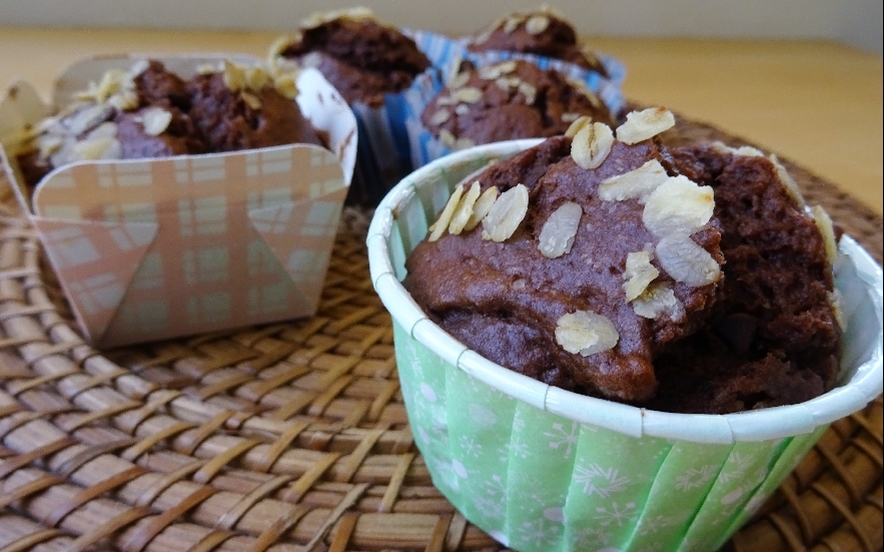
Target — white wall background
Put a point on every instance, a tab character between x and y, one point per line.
857	23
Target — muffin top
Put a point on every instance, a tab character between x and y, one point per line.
148	111
360	56
245	111
508	100
687	280
774	335
543	32
535	289
158	92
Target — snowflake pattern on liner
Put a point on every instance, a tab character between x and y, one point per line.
526	474
563	439
515	448
492	506
654	524
736	467
695	478
599	481
539	533
617	514
470	446
536	497
490	498
592	536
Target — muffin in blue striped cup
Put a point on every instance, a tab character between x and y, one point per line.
570	80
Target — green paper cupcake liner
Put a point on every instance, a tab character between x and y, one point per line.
542	469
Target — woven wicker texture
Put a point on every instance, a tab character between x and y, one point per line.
294	436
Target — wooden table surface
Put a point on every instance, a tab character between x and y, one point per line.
817	103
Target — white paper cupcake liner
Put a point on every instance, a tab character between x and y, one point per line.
542	469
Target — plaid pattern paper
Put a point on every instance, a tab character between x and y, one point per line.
152	249
76	249
159	248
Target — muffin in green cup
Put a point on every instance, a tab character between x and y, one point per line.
541	468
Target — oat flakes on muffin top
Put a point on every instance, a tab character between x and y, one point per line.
147	111
508	100
576	261
543	32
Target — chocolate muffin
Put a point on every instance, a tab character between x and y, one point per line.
536	290
239	109
149	111
508	100
161	95
774	335
687	280
369	63
543	32
360	56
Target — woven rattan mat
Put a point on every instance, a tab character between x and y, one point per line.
294	436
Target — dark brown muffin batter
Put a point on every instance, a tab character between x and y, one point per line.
158	88
773	337
359	56
508	100
151	112
179	138
504	299
764	332
543	32
228	121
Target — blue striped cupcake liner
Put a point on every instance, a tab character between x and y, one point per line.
384	152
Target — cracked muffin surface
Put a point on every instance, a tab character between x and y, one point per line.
622	269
